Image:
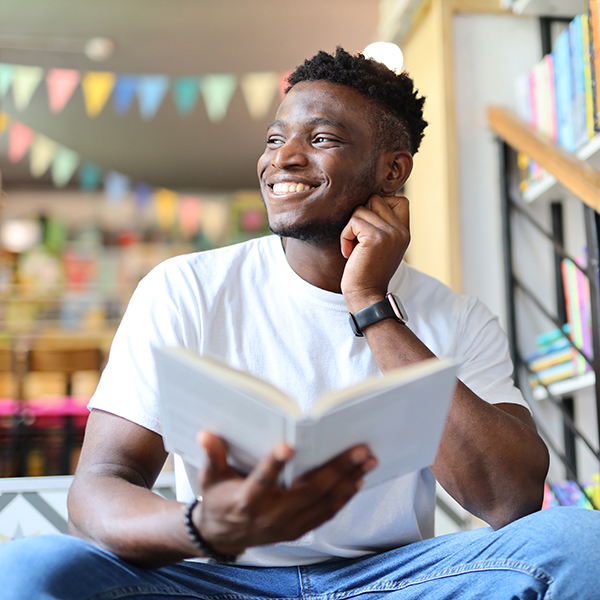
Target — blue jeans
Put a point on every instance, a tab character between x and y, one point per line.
550	554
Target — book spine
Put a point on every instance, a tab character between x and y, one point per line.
594	19
572	302
587	77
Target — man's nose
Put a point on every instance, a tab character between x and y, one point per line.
290	154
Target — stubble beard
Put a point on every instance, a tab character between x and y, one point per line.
327	232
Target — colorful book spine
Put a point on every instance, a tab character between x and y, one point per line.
575	38
564	91
551	359
574	312
587	77
594	20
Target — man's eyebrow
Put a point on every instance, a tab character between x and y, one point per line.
312	122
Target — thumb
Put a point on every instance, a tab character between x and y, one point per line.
216	467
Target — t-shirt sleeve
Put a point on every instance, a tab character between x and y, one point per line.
486	367
154	317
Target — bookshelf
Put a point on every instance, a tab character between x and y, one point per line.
555	8
577	176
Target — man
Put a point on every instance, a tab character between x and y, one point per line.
337	153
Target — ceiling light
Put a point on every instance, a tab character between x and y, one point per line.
387	53
99	48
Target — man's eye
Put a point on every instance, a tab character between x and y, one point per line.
274	141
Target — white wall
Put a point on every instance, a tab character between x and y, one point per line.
490	52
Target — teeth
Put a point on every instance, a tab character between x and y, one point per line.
289	188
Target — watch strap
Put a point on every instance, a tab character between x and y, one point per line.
388	308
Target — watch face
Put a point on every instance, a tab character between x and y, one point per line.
397	307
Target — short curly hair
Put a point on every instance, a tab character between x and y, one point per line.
398	121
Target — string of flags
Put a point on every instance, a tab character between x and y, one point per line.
172	209
216	90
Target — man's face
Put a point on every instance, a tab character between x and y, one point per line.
320	162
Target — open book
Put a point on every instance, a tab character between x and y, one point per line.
400	415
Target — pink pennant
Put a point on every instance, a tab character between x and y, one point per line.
283	84
189	215
19	139
61	84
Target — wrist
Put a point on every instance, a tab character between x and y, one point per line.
356	301
198	540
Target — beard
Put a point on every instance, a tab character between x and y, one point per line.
327	231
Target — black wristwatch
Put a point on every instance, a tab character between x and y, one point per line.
389	308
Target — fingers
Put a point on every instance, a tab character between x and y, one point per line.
216	467
266	474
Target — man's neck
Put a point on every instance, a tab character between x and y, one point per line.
319	265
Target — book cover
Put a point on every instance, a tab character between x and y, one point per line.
594	20
564	91
587	77
575	37
400	415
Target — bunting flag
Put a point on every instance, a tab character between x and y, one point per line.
6	78
217	91
20	138
189	216
151	90
116	186
124	93
89	177
283	83
165	204
97	87
25	82
64	166
142	194
43	151
4	121
185	94
258	90
61	84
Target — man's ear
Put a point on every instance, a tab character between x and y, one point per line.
397	167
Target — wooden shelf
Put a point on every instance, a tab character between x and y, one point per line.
548	8
575	174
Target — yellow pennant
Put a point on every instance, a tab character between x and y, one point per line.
165	204
41	154
259	90
97	87
4	121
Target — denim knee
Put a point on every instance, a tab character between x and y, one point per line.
30	567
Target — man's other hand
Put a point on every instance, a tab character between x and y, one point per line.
374	241
239	512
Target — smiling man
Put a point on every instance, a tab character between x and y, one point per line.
315	307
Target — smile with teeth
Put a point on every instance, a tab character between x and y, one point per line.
287	187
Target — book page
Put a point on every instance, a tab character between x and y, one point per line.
364	389
192	399
402	425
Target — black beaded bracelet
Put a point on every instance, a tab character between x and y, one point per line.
199	541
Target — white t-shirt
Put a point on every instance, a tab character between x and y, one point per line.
245	305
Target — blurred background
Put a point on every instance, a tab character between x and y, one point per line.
130	131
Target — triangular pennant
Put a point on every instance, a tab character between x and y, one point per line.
116	186
25	82
142	194
217	90
190	211
4	121
124	93
61	84
185	94
97	87
165	204
42	153
89	177
6	78
258	90
64	166
20	138
283	82
151	91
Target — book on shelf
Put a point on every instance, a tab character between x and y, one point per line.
594	20
400	415
553	374
560	95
